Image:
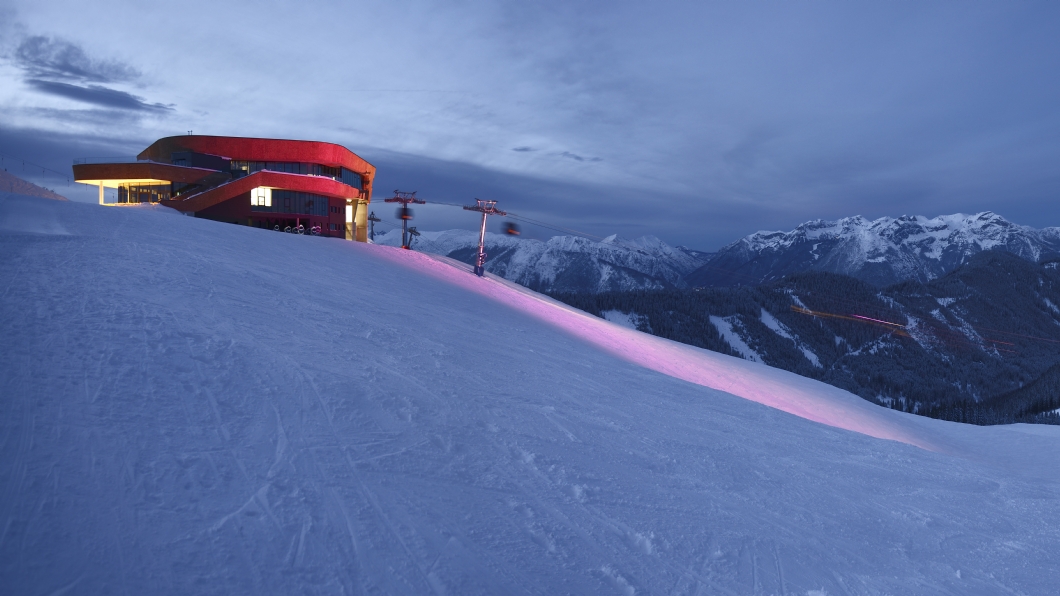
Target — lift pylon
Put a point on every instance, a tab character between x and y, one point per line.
371	225
485	208
404	212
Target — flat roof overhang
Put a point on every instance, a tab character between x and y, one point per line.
145	173
254	149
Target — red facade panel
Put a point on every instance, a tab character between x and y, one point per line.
250	149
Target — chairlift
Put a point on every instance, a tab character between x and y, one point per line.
404	213
511	229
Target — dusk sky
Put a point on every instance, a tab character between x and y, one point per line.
696	122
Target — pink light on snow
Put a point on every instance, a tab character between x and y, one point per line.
784	391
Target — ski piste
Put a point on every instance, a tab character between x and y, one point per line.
196	407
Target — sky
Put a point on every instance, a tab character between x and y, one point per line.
697	122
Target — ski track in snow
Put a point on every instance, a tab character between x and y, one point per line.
196	407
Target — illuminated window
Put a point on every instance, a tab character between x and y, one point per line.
261	197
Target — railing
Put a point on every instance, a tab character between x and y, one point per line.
125	159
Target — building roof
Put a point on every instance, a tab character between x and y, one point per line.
252	149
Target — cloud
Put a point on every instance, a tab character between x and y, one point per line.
92	118
96	94
577	157
721	120
59	67
46	57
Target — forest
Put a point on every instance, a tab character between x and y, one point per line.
980	345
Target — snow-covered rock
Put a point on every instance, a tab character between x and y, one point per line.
881	252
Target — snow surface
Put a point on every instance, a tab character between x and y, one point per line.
724	325
628	320
782	330
196	407
1051	306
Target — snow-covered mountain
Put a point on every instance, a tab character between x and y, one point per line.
881	252
565	263
191	407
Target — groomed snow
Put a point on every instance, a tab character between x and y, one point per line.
195	407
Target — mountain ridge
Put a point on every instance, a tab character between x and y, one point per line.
882	252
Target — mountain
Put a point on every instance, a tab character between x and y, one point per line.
881	252
702	255
192	407
565	263
11	183
958	347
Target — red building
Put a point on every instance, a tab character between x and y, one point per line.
266	183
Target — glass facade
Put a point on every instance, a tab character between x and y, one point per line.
245	168
291	201
183	188
143	193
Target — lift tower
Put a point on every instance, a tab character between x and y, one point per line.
371	225
485	208
404	212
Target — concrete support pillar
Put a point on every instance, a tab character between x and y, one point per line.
349	219
361	219
100	192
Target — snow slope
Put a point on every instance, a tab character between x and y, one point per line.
195	407
12	184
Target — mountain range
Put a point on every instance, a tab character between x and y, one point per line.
880	252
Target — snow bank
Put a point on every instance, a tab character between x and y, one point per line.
195	407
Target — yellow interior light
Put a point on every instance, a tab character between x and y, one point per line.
261	196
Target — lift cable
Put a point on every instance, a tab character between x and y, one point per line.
4	157
535	222
530	221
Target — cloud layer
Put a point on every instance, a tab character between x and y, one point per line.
45	57
698	123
